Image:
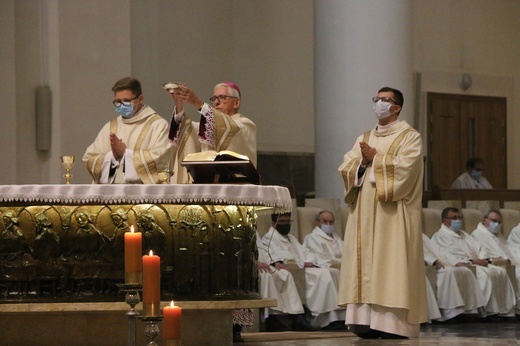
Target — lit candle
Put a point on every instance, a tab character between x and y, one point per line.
133	262
151	284
171	323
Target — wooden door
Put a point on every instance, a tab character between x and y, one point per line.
461	127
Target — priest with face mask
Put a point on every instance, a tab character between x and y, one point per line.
489	235
461	249
323	241
133	147
321	281
382	272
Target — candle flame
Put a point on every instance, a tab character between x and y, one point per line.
171	304
151	253
132	229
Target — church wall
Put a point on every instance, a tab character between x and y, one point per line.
475	37
81	48
7	92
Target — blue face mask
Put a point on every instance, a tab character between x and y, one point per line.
125	111
456	225
476	174
329	229
494	227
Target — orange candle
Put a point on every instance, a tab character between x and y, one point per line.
133	262
151	284
172	322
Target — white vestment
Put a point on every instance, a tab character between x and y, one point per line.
277	284
514	242
148	150
321	283
433	308
324	246
460	247
496	246
215	131
458	290
466	181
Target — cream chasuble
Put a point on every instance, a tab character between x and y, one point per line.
383	263
148	148
217	132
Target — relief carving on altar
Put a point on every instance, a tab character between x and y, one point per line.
77	252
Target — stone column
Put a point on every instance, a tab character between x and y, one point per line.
360	46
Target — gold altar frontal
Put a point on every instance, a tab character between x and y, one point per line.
72	234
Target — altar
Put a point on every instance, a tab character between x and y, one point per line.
64	241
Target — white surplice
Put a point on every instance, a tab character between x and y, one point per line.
458	290
324	246
497	247
321	283
277	284
433	308
514	242
460	247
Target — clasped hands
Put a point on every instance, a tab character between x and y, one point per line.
367	153
118	146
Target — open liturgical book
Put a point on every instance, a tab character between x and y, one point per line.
211	167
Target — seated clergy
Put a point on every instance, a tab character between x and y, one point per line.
488	234
458	291
321	281
279	284
323	241
433	308
460	249
513	241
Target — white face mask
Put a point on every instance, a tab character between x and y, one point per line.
494	227
329	229
382	109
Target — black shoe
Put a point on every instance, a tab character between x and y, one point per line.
273	324
370	334
299	323
336	326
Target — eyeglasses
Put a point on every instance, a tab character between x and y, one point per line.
221	98
493	220
385	99
118	103
454	218
285	222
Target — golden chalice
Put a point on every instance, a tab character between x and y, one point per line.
165	176
67	162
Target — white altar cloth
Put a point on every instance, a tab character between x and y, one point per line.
275	197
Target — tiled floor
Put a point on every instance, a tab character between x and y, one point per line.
471	334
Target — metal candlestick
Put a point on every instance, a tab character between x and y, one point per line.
131	298
151	330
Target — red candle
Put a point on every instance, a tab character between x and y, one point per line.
172	322
151	284
133	262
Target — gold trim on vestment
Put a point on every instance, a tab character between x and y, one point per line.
385	171
149	162
225	129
